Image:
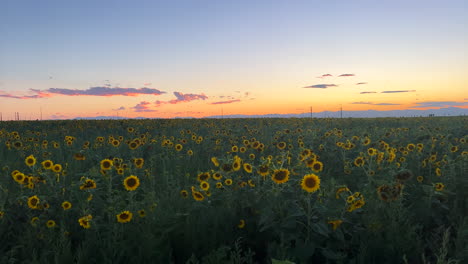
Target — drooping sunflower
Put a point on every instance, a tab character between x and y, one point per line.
215	161
124	217
33	202
280	176
66	205
340	190
438	172
439	186
335	223
131	183
79	156
139	162
50	223
30	160
310	183
106	164
88	184
247	167
359	161
371	151
85	221
198	196
241	224
420	178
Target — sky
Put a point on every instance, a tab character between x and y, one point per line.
180	58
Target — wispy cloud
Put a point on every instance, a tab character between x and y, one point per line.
321	86
105	91
143	106
93	91
361	83
439	104
370	103
119	109
400	91
325	75
346	75
367	92
227	102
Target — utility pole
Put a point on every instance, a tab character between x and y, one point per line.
41	113
311	112
341	111
222	113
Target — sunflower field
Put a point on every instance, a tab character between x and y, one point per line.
299	190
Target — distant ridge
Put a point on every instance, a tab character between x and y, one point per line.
449	111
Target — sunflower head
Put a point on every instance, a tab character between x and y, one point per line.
280	176
30	160
310	183
124	217
131	183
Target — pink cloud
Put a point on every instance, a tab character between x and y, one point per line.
143	107
346	75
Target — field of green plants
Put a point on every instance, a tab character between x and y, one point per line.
389	190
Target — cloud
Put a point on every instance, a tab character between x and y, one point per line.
400	91
227	102
38	94
321	86
439	104
93	91
181	98
346	75
361	83
119	109
105	91
370	103
143	106
325	75
367	92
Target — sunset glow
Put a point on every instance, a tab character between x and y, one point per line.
165	59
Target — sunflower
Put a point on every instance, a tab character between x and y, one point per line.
33	202
184	193
247	167
228	182
217	176
85	221
280	176
371	151
190	152
350	199
226	167
34	220
30	160
310	183
438	172
178	147
138	162
281	145
133	145
215	161
124	217
88	184
439	186
340	190
234	148
335	223
57	168
106	164
251	156
131	183
204	176
141	213
317	166
50	223
198	196
204	185
236	165
79	156
66	205
241	224
359	162
19	177
420	178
